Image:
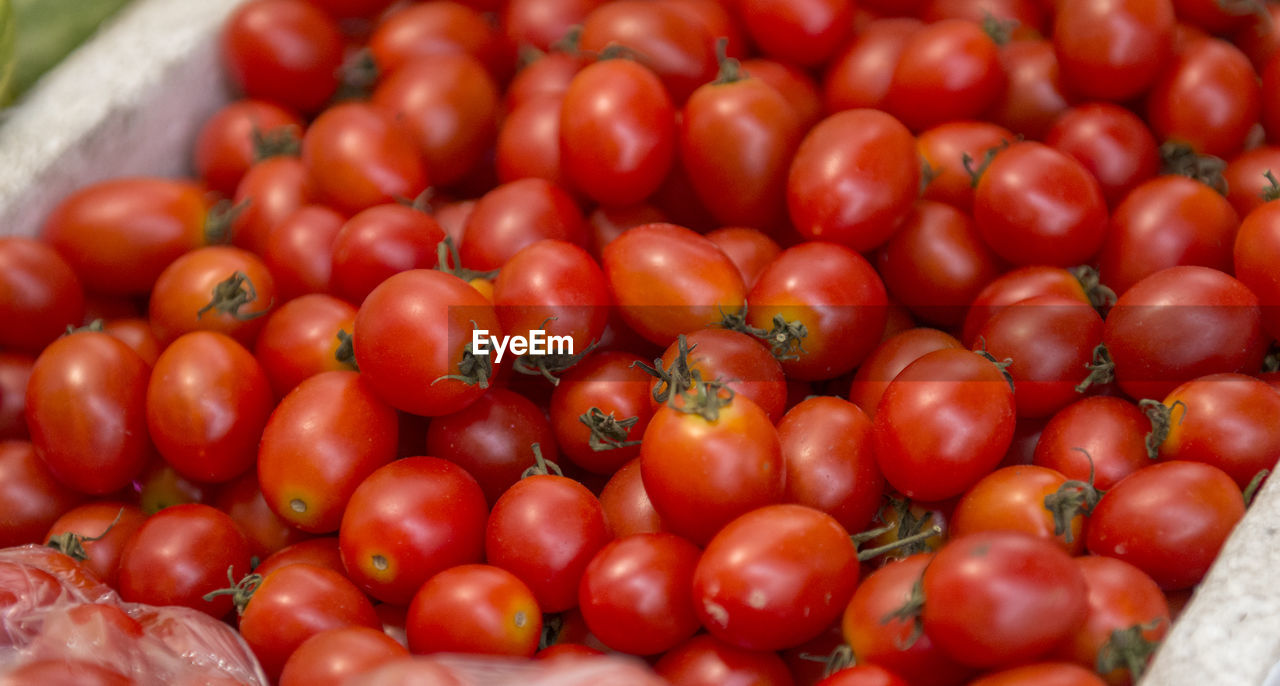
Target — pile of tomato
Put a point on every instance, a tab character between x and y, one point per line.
903	342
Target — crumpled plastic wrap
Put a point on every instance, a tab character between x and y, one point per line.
52	610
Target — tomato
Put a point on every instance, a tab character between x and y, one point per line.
32	498
879	636
891	357
1113	143
528	144
1206	71
548	76
837	297
943	423
1112	49
805	33
160	486
1035	96
948	70
515	215
1248	186
269	192
1103	436
449	104
207	403
853	179
267	533
600	409
180	554
118	235
299	251
703	470
1041	674
617	132
1181	323
1035	205
942	151
1166	222
750	250
353	9
636	594
660	36
136	333
1124	605
668	280
541	23
1029	499
707	661
284	51
545	529
797	87
994	599
218	288
358	155
737	137
413	337
1169	520
1256	248
379	242
96	533
775	577
1020	284
861	73
407	521
826	447
474	608
936	263
293	604
321	441
439	28
740	361
1256	38
492	439
240	134
333	655
304	337
86	409
15	369
627	508
40	295
1222	420
321	552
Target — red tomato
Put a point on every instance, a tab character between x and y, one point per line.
305	337
891	357
600	409
294	603
449	103
853	179
802	32
40	295
775	577
1208	98
528	143
1035	205
321	552
270	191
627	508
1123	601
1103	436
516	215
826	447
863	675
86	409
474	608
1113	143
378	243
995	599
943	149
541	23
299	251
943	423
545	529
1035	96
739	360
180	554
207	403
409	520
797	87
1169	520
439	28
1256	249
835	294
860	75
707	661
1020	284
267	533
320	443
617	132
1029	499
358	155
1224	420
1181	323
1041	674
240	134
949	70
1112	49
413	338
353	9
219	288
1248	183
118	235
668	280
548	76
96	533
284	51
330	657
751	250
661	36
636	593
30	496
136	333
15	369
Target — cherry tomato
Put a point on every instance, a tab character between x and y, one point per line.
136	333
1257	246
1122	600
474	608
1041	674
330	657
1206	71
269	192
627	508
321	552
891	357
379	242
1035	96
1102	436
540	23
805	33
740	361
826	446
1016	285
15	369
358	155
409	520
1112	49
660	36
861	73
515	215
528	144
284	51
237	136
439	28
1113	143
86	409
750	250
707	661
320	443
31	497
948	70
267	533
96	533
1029	499
218	288
40	295
943	149
1169	520
1223	420
797	87
299	251
1248	186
